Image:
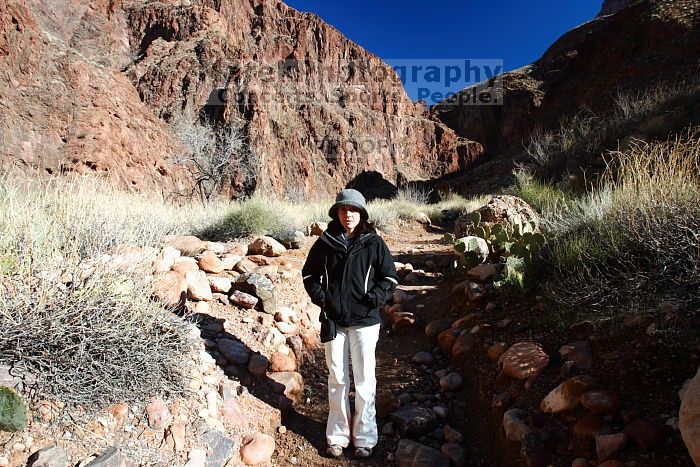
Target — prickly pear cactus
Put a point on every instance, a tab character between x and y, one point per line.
13	410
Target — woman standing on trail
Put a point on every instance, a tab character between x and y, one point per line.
349	273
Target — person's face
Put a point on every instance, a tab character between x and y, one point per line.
349	217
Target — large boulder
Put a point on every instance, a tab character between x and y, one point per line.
690	418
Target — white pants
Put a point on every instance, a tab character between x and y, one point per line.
361	343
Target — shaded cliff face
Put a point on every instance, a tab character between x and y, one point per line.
91	87
645	43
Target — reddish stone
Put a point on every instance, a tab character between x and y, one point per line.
609	446
434	328
211	263
159	415
282	362
464	345
447	339
496	350
467	322
566	396
591	426
289	383
232	414
386	403
262	260
524	360
257	448
646	433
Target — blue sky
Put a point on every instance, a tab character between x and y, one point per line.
511	32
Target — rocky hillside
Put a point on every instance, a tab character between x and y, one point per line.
91	87
640	45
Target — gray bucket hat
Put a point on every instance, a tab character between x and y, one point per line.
349	197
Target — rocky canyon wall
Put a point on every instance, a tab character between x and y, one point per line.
91	87
644	43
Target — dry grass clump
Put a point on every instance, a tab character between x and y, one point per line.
580	140
637	238
546	198
266	215
84	326
387	214
261	215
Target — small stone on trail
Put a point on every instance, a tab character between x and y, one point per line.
566	396
524	360
601	402
514	424
436	327
159	416
496	350
242	299
412	454
413	420
609	446
451	382
196	458
423	358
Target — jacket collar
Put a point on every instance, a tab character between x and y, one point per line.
332	236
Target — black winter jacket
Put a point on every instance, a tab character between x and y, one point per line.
349	282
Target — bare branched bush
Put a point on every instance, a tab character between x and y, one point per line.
92	343
215	157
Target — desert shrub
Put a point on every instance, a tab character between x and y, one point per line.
87	330
638	237
384	214
263	215
546	198
579	140
387	214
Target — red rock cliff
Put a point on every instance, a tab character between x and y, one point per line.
91	87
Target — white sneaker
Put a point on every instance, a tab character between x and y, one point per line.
334	450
